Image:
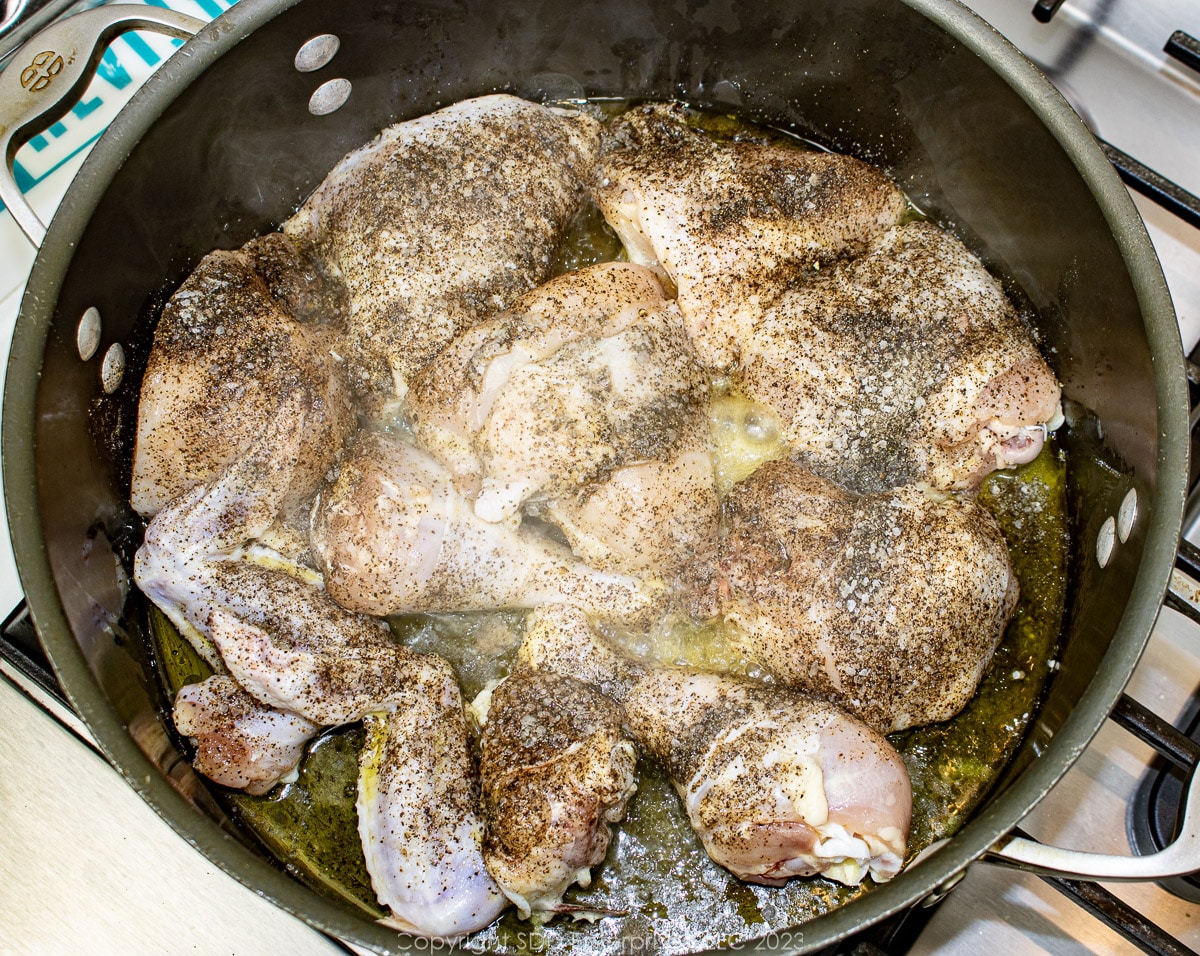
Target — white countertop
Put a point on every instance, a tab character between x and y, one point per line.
90	868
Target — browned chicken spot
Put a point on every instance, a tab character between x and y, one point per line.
890	604
557	769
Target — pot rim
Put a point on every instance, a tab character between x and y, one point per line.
253	870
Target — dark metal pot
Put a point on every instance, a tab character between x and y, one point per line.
219	146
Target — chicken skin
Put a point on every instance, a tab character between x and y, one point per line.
587	374
418	813
775	783
394	536
730	222
442	220
292	660
252	614
915	367
648	518
240	743
890	604
247	330
556	769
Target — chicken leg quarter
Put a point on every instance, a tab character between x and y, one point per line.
775	783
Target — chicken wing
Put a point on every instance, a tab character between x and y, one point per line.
775	783
418	813
306	662
442	220
914	367
890	604
240	743
249	612
556	769
394	536
731	222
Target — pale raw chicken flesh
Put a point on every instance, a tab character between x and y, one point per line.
247	330
394	536
914	367
587	374
557	769
890	604
418	813
775	783
649	518
731	222
268	623
442	220
307	662
240	743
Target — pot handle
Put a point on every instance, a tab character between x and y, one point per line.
1179	859
47	75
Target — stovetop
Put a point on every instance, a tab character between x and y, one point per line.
99	870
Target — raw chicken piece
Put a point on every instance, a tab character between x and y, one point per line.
731	222
890	604
239	742
914	367
653	517
269	623
587	373
418	814
556	770
394	536
775	783
292	648
245	331
442	220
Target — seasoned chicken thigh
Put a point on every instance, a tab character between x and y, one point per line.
556	769
775	783
394	536
240	743
588	373
914	367
731	222
442	220
245	331
418	814
890	604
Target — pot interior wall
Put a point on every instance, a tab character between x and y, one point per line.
236	152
